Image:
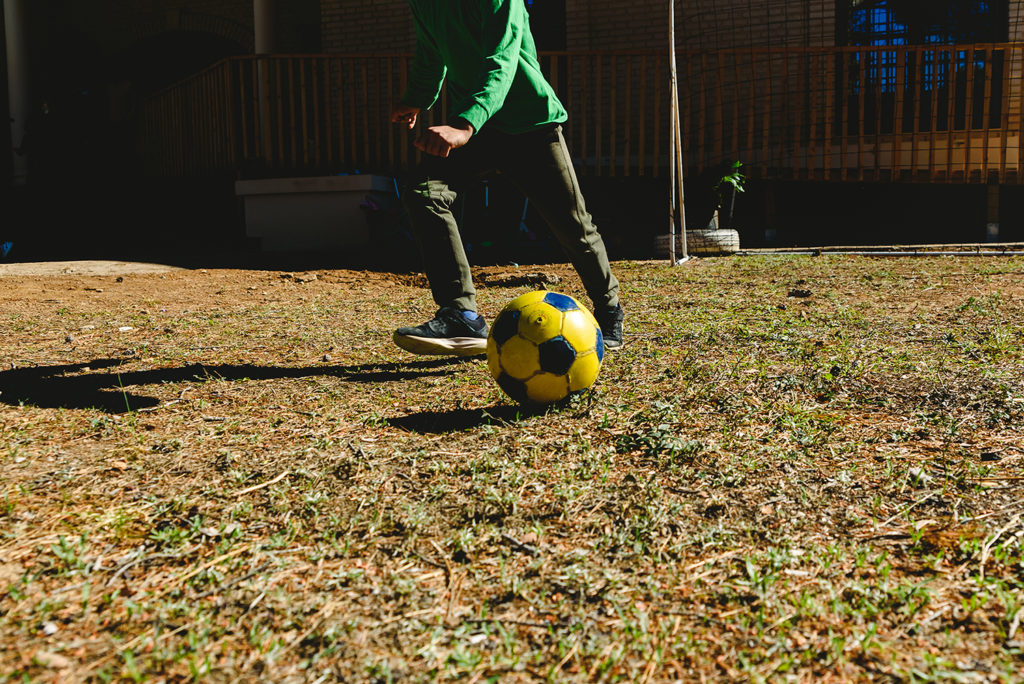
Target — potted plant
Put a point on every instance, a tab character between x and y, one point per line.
720	237
726	188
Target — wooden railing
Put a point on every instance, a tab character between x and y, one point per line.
922	113
929	113
291	115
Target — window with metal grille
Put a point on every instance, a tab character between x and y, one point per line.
938	89
920	22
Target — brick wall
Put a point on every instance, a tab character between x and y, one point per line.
112	25
384	25
87	45
593	24
366	26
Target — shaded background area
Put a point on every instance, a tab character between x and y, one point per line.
91	65
87	196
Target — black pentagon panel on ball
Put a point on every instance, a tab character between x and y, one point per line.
516	389
599	347
560	301
505	327
556	355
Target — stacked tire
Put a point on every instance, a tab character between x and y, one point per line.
701	242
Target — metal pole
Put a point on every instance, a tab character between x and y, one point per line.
679	182
672	134
874	253
675	152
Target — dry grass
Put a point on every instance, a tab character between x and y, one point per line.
799	468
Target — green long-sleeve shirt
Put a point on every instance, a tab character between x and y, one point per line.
486	53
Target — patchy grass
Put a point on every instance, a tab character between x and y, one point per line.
800	468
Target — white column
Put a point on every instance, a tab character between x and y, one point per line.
265	33
265	25
18	86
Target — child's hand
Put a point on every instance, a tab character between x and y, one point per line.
441	140
403	113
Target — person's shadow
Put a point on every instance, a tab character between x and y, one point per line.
99	385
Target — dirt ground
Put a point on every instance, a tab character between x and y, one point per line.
800	468
83	268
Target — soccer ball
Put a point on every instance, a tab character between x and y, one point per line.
543	347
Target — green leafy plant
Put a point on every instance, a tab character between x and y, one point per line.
731	183
734	181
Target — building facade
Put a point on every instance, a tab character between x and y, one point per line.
827	102
912	106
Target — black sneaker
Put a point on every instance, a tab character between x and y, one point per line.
449	333
610	321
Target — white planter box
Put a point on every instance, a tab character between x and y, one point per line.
304	214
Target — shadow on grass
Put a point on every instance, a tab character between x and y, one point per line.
98	384
464	419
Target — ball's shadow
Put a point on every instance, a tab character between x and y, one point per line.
505	415
464	419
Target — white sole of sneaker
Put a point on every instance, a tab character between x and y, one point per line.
453	346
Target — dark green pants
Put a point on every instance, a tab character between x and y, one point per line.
539	164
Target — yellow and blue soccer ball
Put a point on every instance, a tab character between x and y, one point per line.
543	347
